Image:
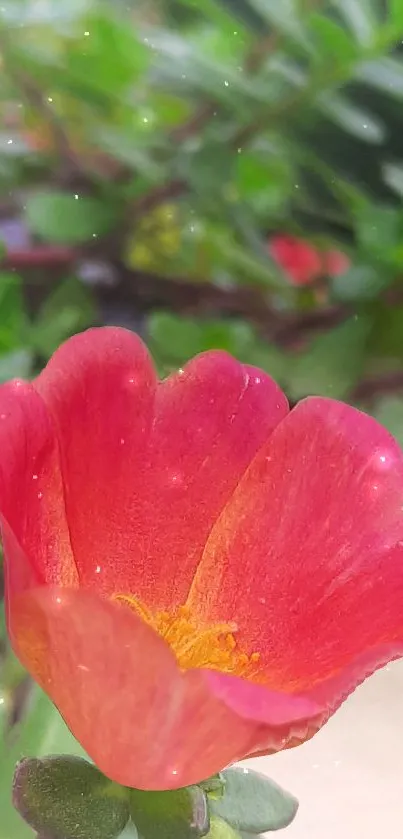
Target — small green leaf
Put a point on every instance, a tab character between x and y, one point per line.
13	320
332	40
360	18
66	219
41	731
379	228
68	309
389	412
16	365
332	363
128	56
395	11
361	282
352	118
220	829
124	145
384	74
175	814
214	786
252	802
393	177
64	797
285	17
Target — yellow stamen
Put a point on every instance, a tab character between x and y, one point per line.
213	646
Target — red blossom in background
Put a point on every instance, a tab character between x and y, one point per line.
303	263
194	574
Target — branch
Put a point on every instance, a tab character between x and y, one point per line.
367	389
156	196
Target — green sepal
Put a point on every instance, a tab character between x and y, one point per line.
65	797
253	803
214	786
174	814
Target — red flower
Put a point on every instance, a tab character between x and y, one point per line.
194	574
303	263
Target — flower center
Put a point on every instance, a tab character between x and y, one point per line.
213	646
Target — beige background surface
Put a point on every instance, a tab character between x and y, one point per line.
349	778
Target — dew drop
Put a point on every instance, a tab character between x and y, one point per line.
98	569
40	495
122	441
34	477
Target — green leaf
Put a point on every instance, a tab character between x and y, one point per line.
359	16
220	829
40	732
378	228
384	74
124	145
332	40
242	11
172	338
333	362
65	219
176	814
128	57
361	282
16	365
395	14
65	797
13	317
265	182
389	412
68	309
50	12
252	802
352	118
285	17
393	177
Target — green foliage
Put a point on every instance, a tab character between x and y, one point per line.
65	797
173	340
41	731
67	219
177	814
253	803
157	147
332	363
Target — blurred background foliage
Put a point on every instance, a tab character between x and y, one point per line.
211	173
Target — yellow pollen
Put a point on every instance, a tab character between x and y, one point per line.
213	646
